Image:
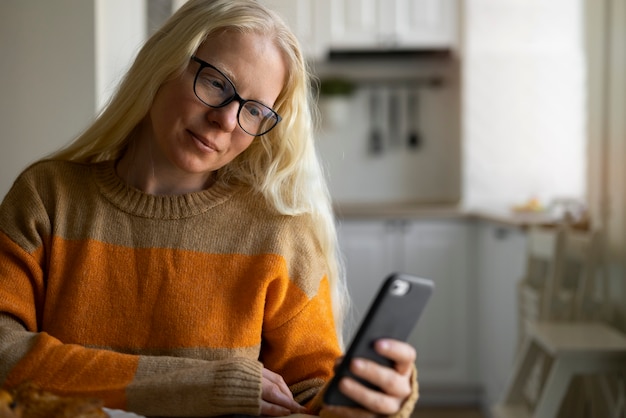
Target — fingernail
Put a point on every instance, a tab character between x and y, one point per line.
384	345
358	364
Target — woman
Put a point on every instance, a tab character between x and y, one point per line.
178	259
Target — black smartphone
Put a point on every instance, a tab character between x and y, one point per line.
392	314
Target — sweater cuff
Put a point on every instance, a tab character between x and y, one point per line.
185	387
408	406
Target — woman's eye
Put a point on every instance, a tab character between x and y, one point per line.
213	82
212	79
254	111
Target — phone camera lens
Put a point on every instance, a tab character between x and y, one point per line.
399	288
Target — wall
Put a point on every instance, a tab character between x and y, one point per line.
429	173
48	78
60	62
523	102
120	28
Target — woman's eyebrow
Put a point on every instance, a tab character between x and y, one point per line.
228	73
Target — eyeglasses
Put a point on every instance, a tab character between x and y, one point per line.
216	90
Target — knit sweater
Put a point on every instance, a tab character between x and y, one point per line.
160	305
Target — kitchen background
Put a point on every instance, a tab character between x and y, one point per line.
511	100
457	112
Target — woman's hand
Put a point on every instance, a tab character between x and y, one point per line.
394	382
276	398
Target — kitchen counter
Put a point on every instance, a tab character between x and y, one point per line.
510	218
398	210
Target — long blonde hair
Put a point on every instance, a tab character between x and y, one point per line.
282	164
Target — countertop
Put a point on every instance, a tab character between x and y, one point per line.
441	211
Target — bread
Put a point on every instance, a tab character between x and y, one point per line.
7	406
29	401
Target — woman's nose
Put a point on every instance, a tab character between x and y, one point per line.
225	117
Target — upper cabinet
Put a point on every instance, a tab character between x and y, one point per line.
306	18
324	25
391	24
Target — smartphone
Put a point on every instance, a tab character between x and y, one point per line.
393	314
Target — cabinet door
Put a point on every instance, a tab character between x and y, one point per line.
438	250
353	24
423	23
500	254
432	249
402	24
304	17
366	246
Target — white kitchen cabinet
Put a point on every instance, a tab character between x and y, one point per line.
323	25
399	24
306	19
367	247
500	254
435	249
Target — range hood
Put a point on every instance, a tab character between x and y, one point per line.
389	54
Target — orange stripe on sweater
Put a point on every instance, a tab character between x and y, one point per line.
284	353
105	295
21	282
103	374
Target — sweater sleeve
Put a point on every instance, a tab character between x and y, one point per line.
299	339
305	348
147	385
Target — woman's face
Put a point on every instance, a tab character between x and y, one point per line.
191	140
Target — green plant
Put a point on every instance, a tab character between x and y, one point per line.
336	87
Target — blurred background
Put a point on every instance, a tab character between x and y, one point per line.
451	131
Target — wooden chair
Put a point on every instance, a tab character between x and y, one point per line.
588	294
543	269
561	291
563	278
570	349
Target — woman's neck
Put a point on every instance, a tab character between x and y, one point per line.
140	169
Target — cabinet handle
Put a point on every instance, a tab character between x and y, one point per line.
398	224
500	233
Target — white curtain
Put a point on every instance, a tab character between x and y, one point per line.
606	60
606	69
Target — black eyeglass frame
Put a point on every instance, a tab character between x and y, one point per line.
235	96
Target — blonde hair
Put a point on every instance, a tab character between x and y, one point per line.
282	164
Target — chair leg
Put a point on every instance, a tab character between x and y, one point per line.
554	390
562	371
528	356
620	402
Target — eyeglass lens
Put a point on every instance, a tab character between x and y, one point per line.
215	90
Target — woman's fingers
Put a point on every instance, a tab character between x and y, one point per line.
277	399
276	384
394	383
269	409
403	354
390	381
374	401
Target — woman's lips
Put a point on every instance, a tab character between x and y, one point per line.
204	143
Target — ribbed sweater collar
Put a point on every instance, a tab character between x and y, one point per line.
138	203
